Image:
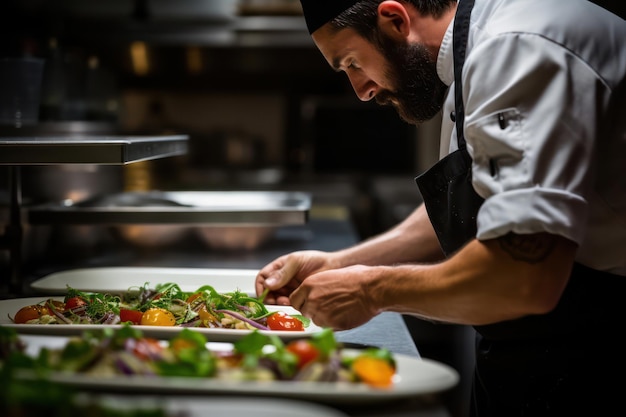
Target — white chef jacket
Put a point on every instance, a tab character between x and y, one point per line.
539	87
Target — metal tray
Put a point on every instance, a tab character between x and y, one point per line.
223	208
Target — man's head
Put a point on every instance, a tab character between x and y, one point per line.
404	75
319	12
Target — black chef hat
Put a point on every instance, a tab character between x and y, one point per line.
319	12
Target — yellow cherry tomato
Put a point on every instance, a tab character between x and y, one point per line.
157	317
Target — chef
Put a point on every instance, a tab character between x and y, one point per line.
522	233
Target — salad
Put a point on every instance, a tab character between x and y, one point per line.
257	356
164	305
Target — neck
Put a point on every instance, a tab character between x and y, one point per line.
428	30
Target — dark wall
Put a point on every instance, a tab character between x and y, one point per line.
616	6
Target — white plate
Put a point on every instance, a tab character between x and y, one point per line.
8	308
116	279
414	377
219	406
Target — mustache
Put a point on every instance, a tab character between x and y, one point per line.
386	98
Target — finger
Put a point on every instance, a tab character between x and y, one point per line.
261	277
282	300
259	285
297	299
279	277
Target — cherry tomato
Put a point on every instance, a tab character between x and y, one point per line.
374	371
282	321
133	316
75	302
304	350
157	317
32	312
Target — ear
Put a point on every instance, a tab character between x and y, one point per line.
393	19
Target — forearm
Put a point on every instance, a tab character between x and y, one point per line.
413	240
482	284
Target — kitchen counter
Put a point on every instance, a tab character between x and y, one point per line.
325	232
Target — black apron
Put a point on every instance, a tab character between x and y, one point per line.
557	364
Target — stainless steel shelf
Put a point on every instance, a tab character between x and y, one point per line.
102	150
216	208
68	149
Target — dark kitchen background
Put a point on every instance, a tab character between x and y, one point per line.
262	109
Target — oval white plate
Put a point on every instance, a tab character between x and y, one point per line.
217	406
414	377
118	279
8	308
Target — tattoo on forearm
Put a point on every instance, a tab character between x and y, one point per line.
529	248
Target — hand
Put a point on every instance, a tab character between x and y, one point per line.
285	274
337	298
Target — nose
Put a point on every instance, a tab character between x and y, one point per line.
364	87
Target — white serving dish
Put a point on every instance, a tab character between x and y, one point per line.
8	308
415	377
118	279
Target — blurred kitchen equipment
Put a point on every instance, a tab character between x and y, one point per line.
211	10
55	183
46	183
77	86
235	237
160	9
270	7
231	220
20	90
146	236
228	148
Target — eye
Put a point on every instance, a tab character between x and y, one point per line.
348	64
353	65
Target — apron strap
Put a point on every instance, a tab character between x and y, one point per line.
459	46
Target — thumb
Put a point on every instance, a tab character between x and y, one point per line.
281	276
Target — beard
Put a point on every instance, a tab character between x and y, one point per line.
418	93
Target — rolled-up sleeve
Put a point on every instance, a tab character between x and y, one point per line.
529	130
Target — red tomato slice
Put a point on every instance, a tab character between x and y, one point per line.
74	302
304	350
133	316
283	321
